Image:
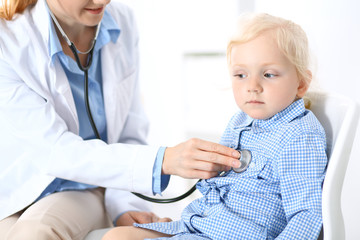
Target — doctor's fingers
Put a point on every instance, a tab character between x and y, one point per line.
155	218
215	160
215	153
207	166
165	219
179	160
208	151
145	217
215	148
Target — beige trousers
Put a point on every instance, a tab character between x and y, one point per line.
69	215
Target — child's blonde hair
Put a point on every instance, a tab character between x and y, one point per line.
290	38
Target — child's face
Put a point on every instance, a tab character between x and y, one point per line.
264	81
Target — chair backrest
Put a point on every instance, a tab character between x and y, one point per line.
339	116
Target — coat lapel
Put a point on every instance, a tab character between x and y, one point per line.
55	77
117	87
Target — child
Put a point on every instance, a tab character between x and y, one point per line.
279	195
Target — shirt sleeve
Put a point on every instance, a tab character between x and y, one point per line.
302	170
160	182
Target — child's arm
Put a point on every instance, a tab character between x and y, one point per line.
302	170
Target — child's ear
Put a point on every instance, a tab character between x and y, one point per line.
304	85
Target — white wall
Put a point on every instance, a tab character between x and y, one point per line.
182	92
170	32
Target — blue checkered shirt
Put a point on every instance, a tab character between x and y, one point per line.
277	197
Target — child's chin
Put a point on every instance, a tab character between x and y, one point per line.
260	116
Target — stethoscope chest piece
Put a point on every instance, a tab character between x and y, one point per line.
245	160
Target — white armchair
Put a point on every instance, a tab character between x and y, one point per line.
339	116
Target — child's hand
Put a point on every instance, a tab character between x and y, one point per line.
131	217
197	158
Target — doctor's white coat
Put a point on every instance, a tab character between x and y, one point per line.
39	126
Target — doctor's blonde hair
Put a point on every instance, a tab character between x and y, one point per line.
290	38
9	8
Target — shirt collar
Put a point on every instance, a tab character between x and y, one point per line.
109	31
287	115
293	111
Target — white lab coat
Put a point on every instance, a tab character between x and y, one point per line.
39	125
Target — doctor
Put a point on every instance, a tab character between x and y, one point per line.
53	169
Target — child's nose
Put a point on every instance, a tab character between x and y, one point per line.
102	2
254	84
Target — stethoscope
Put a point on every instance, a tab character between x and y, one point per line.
81	67
245	157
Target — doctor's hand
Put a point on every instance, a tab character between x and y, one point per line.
198	158
131	217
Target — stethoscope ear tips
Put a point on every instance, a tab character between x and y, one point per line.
245	160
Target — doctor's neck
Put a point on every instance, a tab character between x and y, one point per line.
72	32
82	37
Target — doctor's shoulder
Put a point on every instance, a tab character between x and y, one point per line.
16	33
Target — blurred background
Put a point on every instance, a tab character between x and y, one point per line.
185	85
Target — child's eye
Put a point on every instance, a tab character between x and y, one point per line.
269	75
240	75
